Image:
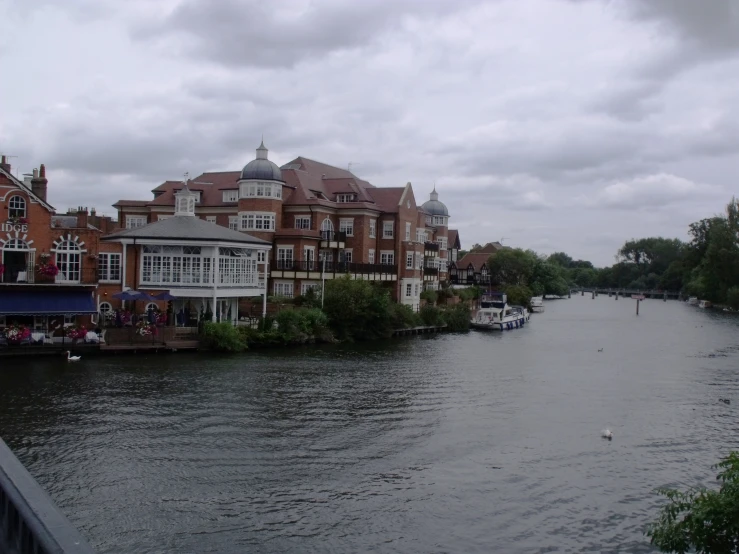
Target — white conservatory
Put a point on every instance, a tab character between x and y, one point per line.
206	266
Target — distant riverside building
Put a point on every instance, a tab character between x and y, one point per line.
472	268
320	222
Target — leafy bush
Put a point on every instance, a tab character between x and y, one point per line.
732	298
358	309
223	337
403	317
519	295
704	521
457	318
429	296
311	299
431	315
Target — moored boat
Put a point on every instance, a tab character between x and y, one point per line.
537	304
496	315
693	300
705	304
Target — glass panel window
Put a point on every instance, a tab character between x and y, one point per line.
409	260
109	267
345	256
284	257
409	290
211	219
302	222
257	221
17	206
283	288
373	228
387	258
233	222
135	221
230	195
371	256
347	226
415	290
387	229
305	287
261	256
309	257
407	231
69	262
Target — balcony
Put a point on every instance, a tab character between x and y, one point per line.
431	247
314	269
431	270
468	279
30	275
333	239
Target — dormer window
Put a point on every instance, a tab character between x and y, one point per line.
230	195
346	197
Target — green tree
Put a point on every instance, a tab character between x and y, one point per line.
703	521
549	278
512	266
561	259
358	309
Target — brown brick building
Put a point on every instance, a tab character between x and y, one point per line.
322	222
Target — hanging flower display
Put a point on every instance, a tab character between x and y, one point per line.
145	329
75	332
2	269
18	220
48	270
16	333
161	318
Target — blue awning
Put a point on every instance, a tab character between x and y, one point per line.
46	302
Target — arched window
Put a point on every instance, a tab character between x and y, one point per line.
16	244
151	306
327	229
69	261
17	206
105	310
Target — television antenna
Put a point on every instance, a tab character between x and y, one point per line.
350	165
502	239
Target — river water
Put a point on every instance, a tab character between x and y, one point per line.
454	443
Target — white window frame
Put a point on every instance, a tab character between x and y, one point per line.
109	267
415	290
257	221
302	222
211	219
373	228
261	256
284	288
309	257
407	230
346	255
261	190
419	260
230	196
409	260
135	221
346	225
420	234
162	217
408	290
388	229
343	198
387	257
69	261
285	256
371	255
17	206
233	222
305	286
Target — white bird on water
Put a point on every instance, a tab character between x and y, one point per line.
71	358
606	434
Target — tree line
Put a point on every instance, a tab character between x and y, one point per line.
707	266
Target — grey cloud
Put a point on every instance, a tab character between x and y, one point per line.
257	33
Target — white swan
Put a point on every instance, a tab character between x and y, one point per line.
606	434
71	358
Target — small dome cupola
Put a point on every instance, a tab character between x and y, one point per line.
185	200
433	206
262	168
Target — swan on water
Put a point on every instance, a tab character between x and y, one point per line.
606	434
71	358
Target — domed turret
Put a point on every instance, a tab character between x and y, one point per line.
261	168
433	206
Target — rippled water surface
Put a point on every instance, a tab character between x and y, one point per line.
454	443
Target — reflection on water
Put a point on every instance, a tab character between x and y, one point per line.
461	443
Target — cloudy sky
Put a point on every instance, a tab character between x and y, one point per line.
557	124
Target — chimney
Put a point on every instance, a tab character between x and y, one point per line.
4	163
82	217
38	183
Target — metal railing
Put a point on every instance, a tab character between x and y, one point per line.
357	268
333	236
431	246
30	522
33	275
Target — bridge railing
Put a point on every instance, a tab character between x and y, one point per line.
30	522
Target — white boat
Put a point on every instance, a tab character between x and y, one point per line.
496	315
537	304
693	300
704	304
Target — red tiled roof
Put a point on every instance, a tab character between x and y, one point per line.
477	259
131	203
489	248
387	198
453	240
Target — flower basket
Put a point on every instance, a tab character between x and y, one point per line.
15	334
75	332
48	270
2	270
18	220
145	329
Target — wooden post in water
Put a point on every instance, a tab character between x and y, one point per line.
637	306
593	295
582	293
